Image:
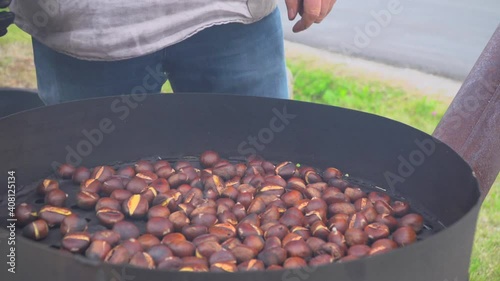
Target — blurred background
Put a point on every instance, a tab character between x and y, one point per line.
442	37
402	59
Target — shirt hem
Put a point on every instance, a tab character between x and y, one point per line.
28	29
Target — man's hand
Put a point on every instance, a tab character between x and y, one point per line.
6	18
312	11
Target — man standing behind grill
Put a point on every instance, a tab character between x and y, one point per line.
95	48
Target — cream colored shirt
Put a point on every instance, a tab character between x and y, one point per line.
121	29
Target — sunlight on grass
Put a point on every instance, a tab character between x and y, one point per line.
15	34
319	86
167	88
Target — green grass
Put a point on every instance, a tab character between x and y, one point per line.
319	86
15	35
485	263
316	82
16	60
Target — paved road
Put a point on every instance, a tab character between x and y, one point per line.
443	37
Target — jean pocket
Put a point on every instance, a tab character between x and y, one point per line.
261	8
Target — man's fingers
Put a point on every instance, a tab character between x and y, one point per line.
293	8
312	7
326	7
312	11
331	5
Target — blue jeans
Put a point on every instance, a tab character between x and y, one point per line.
230	59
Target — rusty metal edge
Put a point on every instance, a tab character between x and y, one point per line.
471	125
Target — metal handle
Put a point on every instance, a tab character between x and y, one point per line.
471	126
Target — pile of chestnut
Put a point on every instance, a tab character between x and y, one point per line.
224	217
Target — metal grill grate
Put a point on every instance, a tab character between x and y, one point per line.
28	194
